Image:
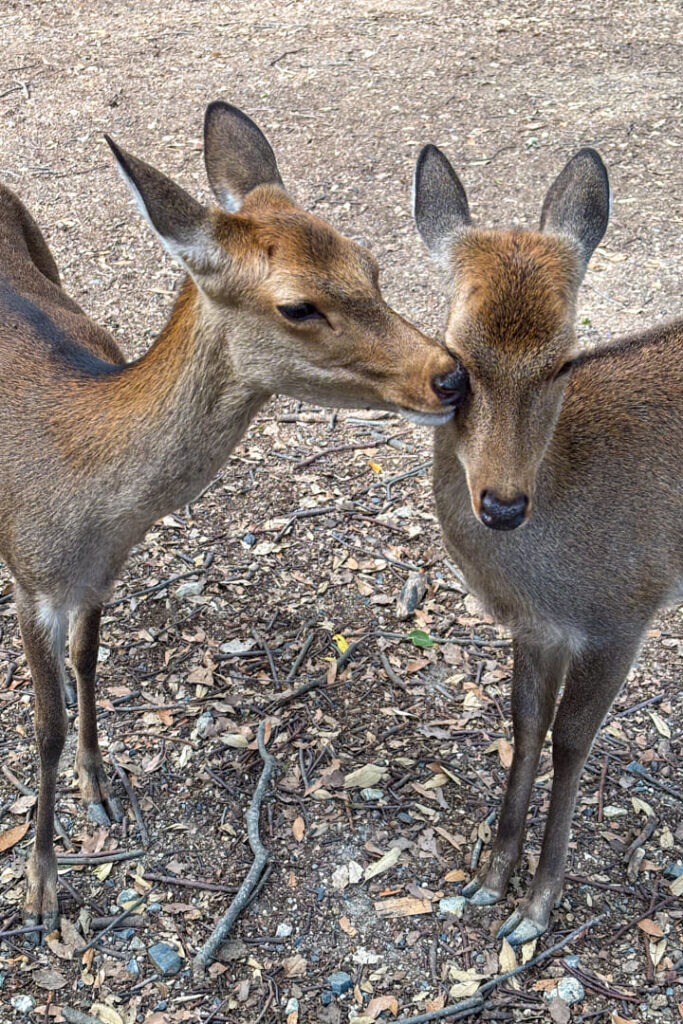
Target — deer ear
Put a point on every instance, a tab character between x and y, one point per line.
440	204
237	155
578	203
181	222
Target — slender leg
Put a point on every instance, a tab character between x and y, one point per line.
536	678
84	638
593	680
43	634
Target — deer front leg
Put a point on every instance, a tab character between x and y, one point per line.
536	679
42	631
84	640
593	680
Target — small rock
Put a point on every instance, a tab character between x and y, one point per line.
414	589
136	943
23	1004
326	998
674	870
340	982
132	967
292	1006
572	960
126	896
237	646
284	930
452	905
204	723
189	590
372	795
569	990
165	958
249	539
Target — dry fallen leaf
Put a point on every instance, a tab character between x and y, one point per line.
12	836
366	777
298	829
383	864
381	1003
650	927
294	966
347	927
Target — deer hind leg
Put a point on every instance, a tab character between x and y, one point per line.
594	678
84	637
536	678
43	635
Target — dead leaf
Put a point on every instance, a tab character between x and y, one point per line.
49	978
559	1010
298	829
660	725
650	927
366	777
347	927
505	752
381	1003
107	1014
507	957
456	875
12	836
383	864
294	966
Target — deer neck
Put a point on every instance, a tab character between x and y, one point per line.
173	416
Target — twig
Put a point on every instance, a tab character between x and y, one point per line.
476	851
320	680
98	858
601	788
353	446
153	589
469	1006
300	657
637	769
144	834
642	837
23	931
113	923
634	920
269	655
261	856
395	679
189	883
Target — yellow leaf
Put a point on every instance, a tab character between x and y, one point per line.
381	1003
660	725
106	1013
102	871
456	875
506	957
341	642
374	466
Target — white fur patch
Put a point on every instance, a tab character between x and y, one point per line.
428	419
51	619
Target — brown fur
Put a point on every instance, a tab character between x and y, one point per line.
599	452
94	449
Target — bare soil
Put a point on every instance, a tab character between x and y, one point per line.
347	93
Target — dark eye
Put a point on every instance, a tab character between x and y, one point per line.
299	311
565	368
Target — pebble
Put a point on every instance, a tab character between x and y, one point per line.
204	723
411	595
189	589
326	998
249	539
165	958
372	795
132	967
23	1004
452	905
292	1006
569	989
674	870
126	896
284	930
340	982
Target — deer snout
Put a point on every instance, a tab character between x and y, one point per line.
451	388
502	513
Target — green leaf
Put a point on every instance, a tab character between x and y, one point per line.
420	638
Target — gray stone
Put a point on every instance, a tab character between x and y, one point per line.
674	870
414	589
340	982
568	989
23	1004
165	958
284	930
132	967
189	590
452	905
126	896
372	795
292	1006
326	998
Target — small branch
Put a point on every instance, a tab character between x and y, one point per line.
473	1005
189	883
130	792
395	679
152	590
98	858
269	655
300	657
112	924
353	446
314	684
261	856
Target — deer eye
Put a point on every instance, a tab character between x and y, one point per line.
300	311
565	368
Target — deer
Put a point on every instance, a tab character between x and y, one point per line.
557	486
94	448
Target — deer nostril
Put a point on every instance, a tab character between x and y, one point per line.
452	388
503	513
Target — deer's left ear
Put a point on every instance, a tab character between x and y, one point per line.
440	205
237	155
578	203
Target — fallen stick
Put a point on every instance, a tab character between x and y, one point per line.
633	768
475	1003
114	923
98	858
261	855
130	792
314	684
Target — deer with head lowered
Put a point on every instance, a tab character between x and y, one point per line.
558	487
94	449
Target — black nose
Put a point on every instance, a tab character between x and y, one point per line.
501	514
452	388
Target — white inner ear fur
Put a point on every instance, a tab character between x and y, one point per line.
227	201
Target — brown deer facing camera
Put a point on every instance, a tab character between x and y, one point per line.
558	487
94	449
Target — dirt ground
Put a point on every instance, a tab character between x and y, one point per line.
347	94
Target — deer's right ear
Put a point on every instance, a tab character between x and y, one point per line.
181	222
440	204
578	202
237	155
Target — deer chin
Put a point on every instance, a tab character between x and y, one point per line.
427	419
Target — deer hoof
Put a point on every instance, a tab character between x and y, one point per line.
519	929
479	895
104	812
41	909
